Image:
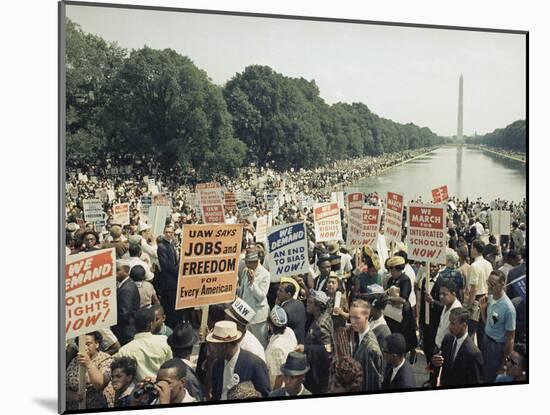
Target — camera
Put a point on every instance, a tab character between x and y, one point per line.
148	390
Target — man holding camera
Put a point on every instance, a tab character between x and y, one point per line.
168	388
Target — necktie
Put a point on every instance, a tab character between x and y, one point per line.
453	350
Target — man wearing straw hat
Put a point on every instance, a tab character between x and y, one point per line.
234	365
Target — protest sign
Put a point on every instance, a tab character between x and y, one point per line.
213	214
157	218
327	222
121	214
354	200
499	221
363	226
146	179
209	264
211	203
90	292
261	228
230	200
111	194
162	199
93	210
154	189
426	233
440	194
270	200
275	210
519	285
244	210
145	203
287	250
393	217
101	194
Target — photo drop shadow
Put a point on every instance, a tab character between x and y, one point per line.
48	403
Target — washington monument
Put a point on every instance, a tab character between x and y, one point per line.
459	136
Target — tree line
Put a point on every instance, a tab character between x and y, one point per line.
159	102
513	137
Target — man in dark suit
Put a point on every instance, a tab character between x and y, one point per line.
168	277
181	341
366	349
234	365
295	310
399	373
127	299
459	360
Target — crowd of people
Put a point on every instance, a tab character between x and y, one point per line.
357	321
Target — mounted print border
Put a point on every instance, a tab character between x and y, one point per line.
259	207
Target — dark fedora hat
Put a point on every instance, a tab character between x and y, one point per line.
296	364
183	336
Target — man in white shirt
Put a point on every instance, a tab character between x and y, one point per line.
477	287
447	296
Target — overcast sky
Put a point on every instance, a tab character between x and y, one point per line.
401	73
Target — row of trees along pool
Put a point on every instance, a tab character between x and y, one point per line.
160	102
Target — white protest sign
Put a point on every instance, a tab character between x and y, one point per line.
90	292
287	250
157	218
121	214
93	210
275	208
500	221
261	228
426	233
393	217
145	203
328	226
244	210
363	226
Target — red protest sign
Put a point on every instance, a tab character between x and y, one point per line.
440	194
328	226
121	214
230	200
90	292
426	233
393	217
210	198
355	200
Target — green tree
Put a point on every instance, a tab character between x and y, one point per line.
91	64
163	102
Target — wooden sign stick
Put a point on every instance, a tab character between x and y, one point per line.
204	323
428	289
82	373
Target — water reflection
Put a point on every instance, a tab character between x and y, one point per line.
468	172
